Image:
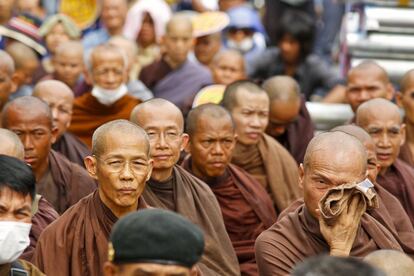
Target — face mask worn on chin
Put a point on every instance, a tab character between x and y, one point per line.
243	46
108	97
14	239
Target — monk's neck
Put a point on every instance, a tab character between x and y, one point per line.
114	31
210	180
41	169
162	175
383	171
118	211
173	64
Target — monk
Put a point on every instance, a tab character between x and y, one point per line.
256	152
68	64
60	181
174	77
60	99
367	81
228	66
405	100
7	86
305	232
207	46
42	212
382	120
211	145
393	263
78	240
289	120
172	188
109	99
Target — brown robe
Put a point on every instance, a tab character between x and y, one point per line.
195	201
296	237
271	164
247	211
89	114
399	181
406	155
77	242
298	134
72	148
44	216
71	182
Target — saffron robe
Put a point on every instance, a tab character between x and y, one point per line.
298	134
77	242
44	216
296	236
272	165
194	200
71	182
399	181
179	85
89	114
72	148
247	211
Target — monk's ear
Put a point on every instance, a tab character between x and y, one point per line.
399	97
390	91
150	167
54	133
187	147
301	175
185	138
402	134
109	269
90	164
87	75
194	271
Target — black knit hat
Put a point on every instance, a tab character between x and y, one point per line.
156	236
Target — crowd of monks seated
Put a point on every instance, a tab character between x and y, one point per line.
110	182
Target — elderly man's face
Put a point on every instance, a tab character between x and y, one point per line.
61	106
250	115
68	67
121	169
55	37
281	115
178	42
14	206
406	100
6	86
108	70
166	136
114	13
327	170
146	269
206	47
366	85
228	69
388	134
211	147
35	132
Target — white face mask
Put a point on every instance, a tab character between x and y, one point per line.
243	46
108	97
14	238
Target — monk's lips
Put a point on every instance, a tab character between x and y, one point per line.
335	200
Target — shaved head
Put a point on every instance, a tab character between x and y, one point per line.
372	67
56	87
355	131
392	262
227	67
179	21
233	54
230	96
328	143
21	54
120	128
380	108
6	63
282	88
10	144
28	105
71	46
407	81
153	106
211	112
105	52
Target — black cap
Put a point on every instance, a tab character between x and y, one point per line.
156	236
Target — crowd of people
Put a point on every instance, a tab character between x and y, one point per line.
172	138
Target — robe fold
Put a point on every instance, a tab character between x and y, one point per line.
279	171
247	211
399	181
296	236
195	201
77	242
71	181
298	134
72	148
179	85
89	114
44	216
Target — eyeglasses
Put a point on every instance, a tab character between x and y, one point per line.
117	165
